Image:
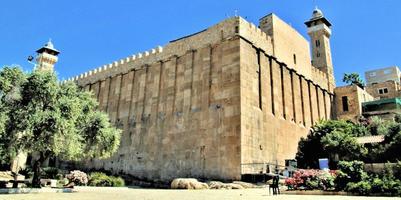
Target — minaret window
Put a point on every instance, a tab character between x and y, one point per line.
295	59
317	43
317	54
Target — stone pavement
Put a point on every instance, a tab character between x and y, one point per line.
158	194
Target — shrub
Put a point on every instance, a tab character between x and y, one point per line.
117	181
377	185
52	173
27	172
102	180
361	187
78	177
311	179
349	172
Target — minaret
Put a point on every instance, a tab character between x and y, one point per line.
319	30
47	57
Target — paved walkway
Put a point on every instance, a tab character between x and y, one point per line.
157	194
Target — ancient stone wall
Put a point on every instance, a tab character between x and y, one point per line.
206	105
180	114
278	105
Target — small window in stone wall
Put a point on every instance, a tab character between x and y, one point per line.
317	43
295	59
317	54
345	103
383	91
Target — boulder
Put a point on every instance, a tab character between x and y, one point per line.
188	183
233	186
244	184
216	185
220	185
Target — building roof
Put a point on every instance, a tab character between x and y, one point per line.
370	139
48	47
383	101
317	15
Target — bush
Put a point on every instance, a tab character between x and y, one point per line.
349	172
52	173
361	187
27	172
77	177
118	181
378	185
311	180
102	180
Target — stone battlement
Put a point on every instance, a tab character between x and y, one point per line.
114	64
256	36
224	30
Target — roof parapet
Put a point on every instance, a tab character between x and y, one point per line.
118	63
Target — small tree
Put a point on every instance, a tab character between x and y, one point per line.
330	139
45	117
353	79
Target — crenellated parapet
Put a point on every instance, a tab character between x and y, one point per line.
255	35
227	30
95	73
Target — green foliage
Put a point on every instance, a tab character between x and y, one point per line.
312	184
361	187
349	172
10	80
353	79
100	179
330	139
378	185
397	118
27	172
38	114
52	173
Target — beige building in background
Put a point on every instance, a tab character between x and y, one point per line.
382	75
227	101
380	97
348	102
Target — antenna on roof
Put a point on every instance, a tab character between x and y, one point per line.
315	3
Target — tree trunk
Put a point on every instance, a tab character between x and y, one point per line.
15	183
37	171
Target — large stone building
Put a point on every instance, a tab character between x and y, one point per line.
220	103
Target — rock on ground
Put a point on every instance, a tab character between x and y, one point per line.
244	184
220	185
188	183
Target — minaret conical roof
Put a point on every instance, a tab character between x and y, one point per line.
49	47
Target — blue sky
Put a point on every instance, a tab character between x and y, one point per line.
91	33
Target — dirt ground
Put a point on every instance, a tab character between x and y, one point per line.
159	194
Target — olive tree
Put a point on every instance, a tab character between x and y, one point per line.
45	117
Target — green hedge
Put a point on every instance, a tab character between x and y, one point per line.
352	178
100	179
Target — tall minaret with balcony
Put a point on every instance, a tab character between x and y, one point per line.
47	57
319	30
